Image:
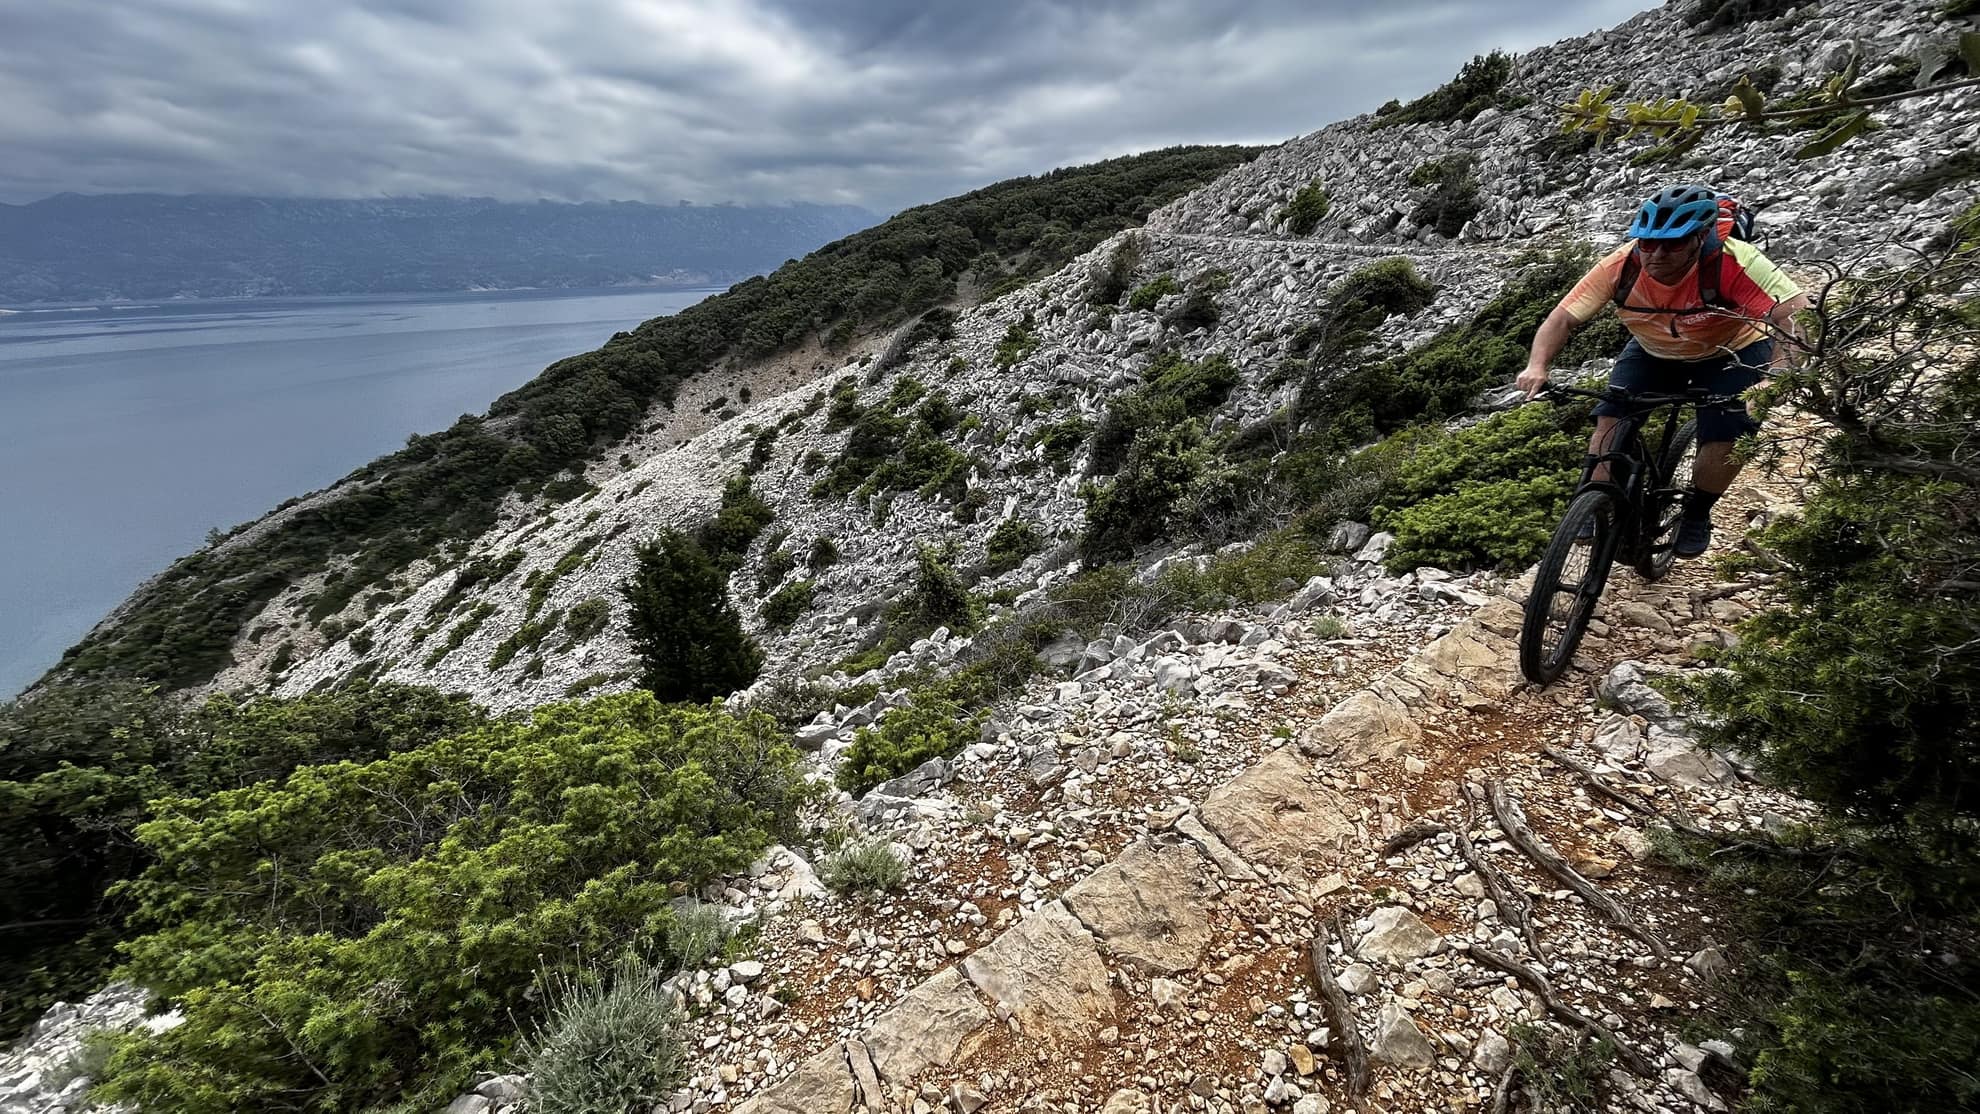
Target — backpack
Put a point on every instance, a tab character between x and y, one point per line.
1735	222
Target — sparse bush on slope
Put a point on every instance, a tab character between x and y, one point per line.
1859	986
360	929
81	769
689	639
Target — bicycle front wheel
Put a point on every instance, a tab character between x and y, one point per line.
1566	585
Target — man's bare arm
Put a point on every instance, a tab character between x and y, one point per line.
1786	331
1553	336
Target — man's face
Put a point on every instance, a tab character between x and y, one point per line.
1668	260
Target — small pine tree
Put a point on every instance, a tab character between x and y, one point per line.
689	639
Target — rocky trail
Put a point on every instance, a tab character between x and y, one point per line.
1093	923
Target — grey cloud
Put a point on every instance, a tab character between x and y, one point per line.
884	103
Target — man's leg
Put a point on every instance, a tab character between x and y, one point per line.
1600	442
1715	467
1634	370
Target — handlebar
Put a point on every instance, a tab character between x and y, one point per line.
1645	399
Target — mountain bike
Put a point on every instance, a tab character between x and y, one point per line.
1633	514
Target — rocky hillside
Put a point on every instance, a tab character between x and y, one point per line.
1027	367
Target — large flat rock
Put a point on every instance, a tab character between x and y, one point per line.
1470	655
1366	727
1278	815
1046	973
822	1084
929	1027
1151	907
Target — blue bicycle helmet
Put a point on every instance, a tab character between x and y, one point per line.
1675	212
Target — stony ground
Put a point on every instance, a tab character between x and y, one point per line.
1131	926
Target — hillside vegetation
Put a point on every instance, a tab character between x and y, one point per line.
444	488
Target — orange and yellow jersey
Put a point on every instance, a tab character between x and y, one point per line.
1747	279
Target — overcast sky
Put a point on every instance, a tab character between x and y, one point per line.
883	103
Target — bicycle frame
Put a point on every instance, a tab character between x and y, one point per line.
1629	459
1631	463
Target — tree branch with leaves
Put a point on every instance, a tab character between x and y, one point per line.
1683	123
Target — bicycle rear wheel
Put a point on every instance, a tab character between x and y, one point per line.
1566	586
1665	505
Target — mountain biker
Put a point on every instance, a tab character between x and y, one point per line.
1676	341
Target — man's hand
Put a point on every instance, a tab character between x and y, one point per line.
1532	380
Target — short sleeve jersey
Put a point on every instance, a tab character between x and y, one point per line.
1747	279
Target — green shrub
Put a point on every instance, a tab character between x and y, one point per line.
1020	340
695	934
889	450
1304	212
776	566
1453	197
1173	390
1502	524
1522	443
1345	325
1113	281
360	929
1253	576
932	725
588	682
1059	440
1477	87
742	516
1009	544
760	449
938	598
863	866
788	604
845	408
460	632
1566	1072
1721	15
585	619
1145	296
1440	377
1198	311
80	766
689	640
611	1043
528	636
1133	510
1488	495
824	554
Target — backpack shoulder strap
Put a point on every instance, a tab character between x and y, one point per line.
1711	257
1632	266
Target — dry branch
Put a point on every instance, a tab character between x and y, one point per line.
1513	822
1341	1013
1411	836
1512	905
1629	801
1538	984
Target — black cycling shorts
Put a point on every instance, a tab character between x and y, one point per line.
1637	370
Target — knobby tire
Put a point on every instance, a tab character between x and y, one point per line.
1566	586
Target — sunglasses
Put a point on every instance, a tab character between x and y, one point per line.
1682	243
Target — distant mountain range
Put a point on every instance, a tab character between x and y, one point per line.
74	248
